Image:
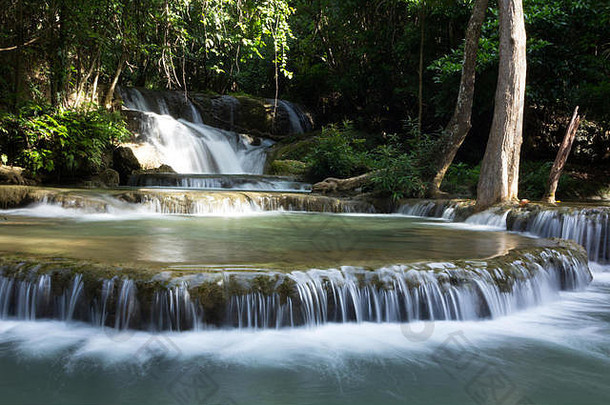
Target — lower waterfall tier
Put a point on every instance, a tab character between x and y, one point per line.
178	300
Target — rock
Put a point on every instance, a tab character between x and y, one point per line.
287	167
165	169
13	175
148	156
161	169
125	163
15	196
109	178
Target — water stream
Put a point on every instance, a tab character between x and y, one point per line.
190	296
186	144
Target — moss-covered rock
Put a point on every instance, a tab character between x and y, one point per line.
292	168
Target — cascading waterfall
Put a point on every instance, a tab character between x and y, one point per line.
214	182
185	203
432	291
430	209
590	227
188	145
299	122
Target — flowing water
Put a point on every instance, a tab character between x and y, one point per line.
186	144
180	296
588	225
541	345
215	182
285	240
554	354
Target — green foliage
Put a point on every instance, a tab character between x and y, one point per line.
565	64
359	59
62	143
400	163
404	163
339	152
397	174
461	179
534	177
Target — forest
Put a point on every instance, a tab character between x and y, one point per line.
339	202
380	78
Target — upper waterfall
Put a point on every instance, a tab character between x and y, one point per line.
174	127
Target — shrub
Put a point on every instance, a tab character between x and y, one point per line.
397	173
338	152
462	179
533	179
61	143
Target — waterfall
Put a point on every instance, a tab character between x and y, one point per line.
433	209
175	129
590	227
299	122
492	218
53	203
427	291
215	182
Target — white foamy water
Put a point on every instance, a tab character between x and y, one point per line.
489	218
572	323
44	210
189	146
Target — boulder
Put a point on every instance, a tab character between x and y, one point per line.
125	163
12	175
161	169
109	178
287	167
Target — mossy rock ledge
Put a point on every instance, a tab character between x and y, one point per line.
214	294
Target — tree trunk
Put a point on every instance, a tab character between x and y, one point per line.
499	177
420	90
59	62
98	69
115	80
562	157
83	81
459	125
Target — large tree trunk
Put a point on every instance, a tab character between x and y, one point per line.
499	177
459	125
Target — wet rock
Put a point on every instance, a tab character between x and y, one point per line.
125	163
157	170
14	196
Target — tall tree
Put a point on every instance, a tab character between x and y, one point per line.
499	177
459	125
